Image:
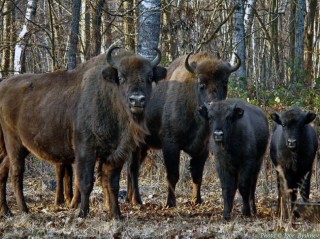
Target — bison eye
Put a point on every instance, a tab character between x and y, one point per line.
121	79
284	125
202	86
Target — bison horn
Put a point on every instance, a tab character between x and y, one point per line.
110	60
188	66
157	59
236	67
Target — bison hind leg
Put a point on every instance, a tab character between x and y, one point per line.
4	172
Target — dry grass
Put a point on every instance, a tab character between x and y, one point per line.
152	220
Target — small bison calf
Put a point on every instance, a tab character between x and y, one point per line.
240	135
293	147
240	138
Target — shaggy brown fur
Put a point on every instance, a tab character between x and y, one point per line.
175	123
72	117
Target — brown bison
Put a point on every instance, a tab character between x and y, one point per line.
175	123
75	117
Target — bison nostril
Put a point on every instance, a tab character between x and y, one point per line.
137	100
218	135
292	143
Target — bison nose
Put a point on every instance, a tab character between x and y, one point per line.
292	143
137	100
218	135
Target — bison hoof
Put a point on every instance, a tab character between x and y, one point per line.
197	201
170	204
246	212
6	212
83	214
227	216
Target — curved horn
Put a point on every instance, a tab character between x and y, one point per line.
236	67
110	60
157	59
188	66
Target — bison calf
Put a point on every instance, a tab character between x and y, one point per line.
240	137
293	147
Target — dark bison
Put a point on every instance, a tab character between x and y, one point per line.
174	121
75	117
240	137
293	147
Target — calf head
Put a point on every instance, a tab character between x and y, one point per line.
293	122
134	75
212	77
222	115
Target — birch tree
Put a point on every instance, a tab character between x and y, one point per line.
23	39
239	40
8	9
299	41
149	28
73	42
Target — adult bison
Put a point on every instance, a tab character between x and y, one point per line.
75	117
174	121
293	147
240	137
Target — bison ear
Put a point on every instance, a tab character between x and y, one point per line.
203	111
159	73
276	118
310	116
110	74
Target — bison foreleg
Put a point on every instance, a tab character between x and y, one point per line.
85	170
196	168
171	155
17	156
67	180
133	169
110	183
229	188
4	172
305	187
60	169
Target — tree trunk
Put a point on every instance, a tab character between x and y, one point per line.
73	43
309	42
239	41
87	31
149	28
299	42
96	27
24	36
8	8
128	25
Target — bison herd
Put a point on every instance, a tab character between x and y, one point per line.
108	112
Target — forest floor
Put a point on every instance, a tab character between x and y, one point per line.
153	220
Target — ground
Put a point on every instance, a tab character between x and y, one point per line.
152	220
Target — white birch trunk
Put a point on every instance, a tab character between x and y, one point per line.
149	28
299	38
239	40
18	47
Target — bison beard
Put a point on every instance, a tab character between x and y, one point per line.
73	117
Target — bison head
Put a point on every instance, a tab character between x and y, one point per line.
221	116
212	76
134	75
293	122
